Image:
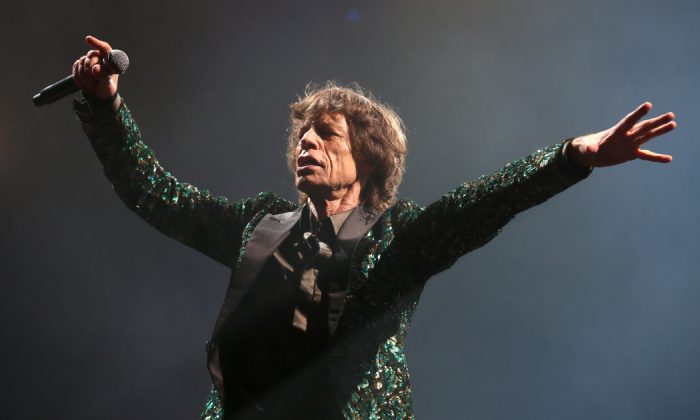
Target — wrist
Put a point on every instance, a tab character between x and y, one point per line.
576	152
98	103
91	109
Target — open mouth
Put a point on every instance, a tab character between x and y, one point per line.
307	160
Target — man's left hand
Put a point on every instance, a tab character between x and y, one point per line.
622	142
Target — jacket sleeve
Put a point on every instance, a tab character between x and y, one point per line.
474	213
192	216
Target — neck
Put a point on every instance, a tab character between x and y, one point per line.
323	207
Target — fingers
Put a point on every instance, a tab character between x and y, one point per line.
86	68
653	157
85	65
633	117
79	73
93	53
93	63
75	69
88	73
645	126
81	66
662	129
102	46
663	124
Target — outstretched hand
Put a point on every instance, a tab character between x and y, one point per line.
89	74
623	141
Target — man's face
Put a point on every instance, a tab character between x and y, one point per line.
325	166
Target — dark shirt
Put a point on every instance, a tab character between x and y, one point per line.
279	365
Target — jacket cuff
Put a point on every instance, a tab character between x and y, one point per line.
91	109
568	165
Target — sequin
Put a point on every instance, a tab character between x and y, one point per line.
389	268
212	409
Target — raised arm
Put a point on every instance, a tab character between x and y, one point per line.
472	214
207	223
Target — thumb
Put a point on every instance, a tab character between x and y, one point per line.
103	46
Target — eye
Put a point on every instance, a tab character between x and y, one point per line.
324	131
326	134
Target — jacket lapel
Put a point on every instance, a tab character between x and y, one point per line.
267	237
358	223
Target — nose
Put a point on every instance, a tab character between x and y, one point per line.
310	140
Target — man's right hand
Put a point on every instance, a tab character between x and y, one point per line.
90	76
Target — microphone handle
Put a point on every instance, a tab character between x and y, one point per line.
56	91
116	62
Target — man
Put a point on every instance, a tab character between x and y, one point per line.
322	292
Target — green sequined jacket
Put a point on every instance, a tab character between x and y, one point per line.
390	265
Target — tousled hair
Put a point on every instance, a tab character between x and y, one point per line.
377	136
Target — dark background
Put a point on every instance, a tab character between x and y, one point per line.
583	308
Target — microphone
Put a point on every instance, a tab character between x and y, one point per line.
116	62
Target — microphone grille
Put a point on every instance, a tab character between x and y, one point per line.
117	61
